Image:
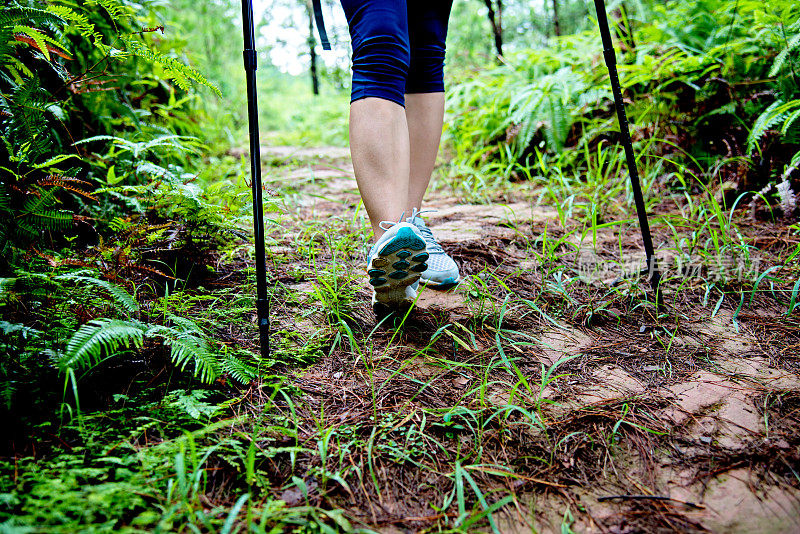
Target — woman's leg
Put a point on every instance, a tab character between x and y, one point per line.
425	117
379	139
427	21
424	112
379	149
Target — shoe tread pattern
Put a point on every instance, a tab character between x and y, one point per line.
397	264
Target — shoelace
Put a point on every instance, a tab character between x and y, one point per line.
385	225
432	245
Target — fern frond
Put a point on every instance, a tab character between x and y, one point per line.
192	402
52	219
27	122
116	10
23	331
148	168
776	113
41	199
188	345
97	338
789	121
81	24
780	59
238	368
186	325
174	69
68	184
42	42
10	17
37	36
795	162
18	70
39	211
186	349
5	198
122	297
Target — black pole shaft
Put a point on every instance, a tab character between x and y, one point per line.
611	62
250	66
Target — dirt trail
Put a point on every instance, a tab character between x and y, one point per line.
720	398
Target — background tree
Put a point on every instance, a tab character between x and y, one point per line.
556	25
494	11
312	48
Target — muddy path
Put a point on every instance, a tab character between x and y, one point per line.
577	404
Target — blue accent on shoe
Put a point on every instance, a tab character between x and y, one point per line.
376	272
405	238
421	257
403	254
421	268
398	275
401	265
377	281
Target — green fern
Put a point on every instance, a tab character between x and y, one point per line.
121	297
787	124
791	46
542	105
174	69
24	121
192	403
239	366
12	16
188	344
187	348
38	213
81	24
37	36
776	113
99	338
25	332
795	161
114	9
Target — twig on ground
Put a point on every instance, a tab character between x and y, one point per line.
650	498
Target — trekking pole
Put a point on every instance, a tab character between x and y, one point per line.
250	66
652	271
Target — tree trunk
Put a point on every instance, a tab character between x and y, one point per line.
496	20
312	49
556	25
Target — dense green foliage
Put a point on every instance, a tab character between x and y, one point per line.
97	126
106	214
688	69
126	329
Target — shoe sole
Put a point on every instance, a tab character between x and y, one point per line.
397	265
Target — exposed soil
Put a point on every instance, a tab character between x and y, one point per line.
680	420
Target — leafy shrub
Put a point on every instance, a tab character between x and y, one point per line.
689	73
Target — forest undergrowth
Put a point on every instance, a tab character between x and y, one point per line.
547	392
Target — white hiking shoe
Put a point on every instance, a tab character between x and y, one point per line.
394	265
442	271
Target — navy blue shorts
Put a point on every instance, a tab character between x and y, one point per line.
398	46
